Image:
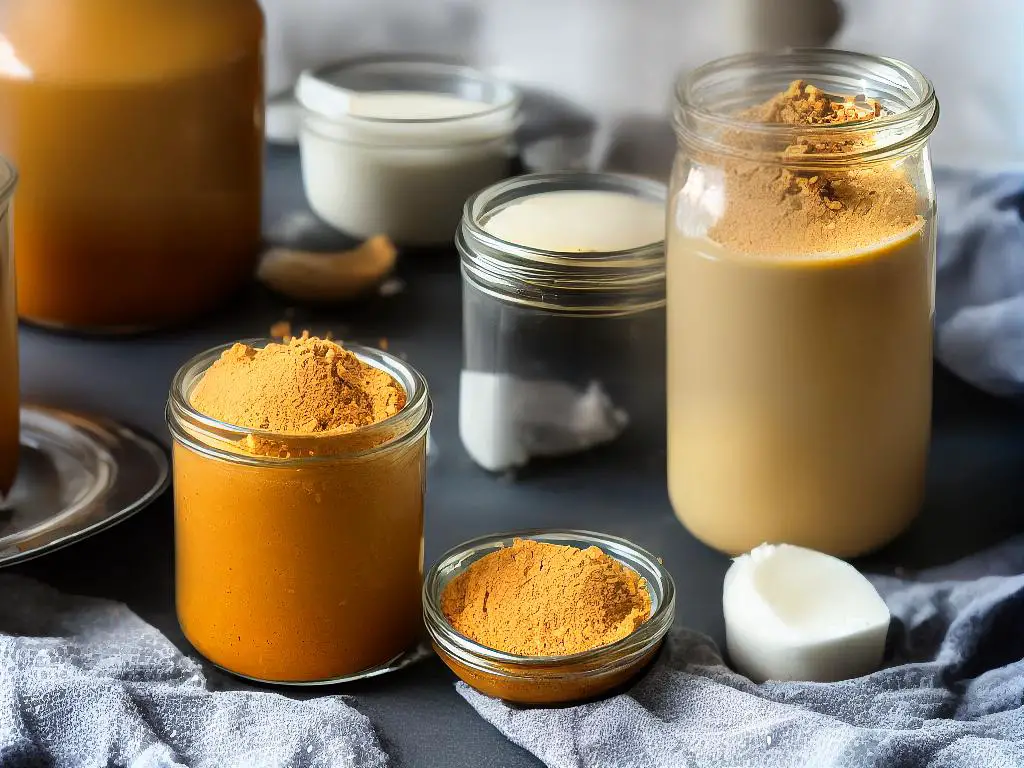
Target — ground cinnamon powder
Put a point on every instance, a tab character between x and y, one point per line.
305	385
771	209
540	599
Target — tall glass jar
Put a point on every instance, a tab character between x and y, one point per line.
9	390
563	316
800	285
137	126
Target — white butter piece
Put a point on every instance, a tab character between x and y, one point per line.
796	614
504	421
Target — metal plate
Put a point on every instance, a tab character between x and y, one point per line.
77	476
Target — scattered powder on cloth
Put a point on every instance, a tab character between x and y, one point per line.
775	208
302	386
540	599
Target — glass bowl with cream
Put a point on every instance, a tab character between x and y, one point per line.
395	146
563	290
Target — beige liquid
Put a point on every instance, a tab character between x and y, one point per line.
799	393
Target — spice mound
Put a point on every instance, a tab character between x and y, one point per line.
539	599
786	208
303	386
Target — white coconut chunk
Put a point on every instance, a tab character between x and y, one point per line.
796	614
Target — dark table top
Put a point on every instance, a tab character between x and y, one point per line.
975	484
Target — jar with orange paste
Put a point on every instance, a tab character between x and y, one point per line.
299	477
137	126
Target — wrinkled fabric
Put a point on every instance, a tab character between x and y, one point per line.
979	303
85	683
972	54
951	695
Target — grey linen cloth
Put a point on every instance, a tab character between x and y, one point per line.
85	683
979	312
953	694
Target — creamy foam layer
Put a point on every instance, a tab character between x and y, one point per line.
578	221
413	105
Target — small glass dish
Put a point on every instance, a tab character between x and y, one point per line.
540	680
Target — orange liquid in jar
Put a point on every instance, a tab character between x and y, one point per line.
136	126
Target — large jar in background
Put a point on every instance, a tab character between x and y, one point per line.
800	285
137	128
9	399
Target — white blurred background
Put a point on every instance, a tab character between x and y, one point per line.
613	62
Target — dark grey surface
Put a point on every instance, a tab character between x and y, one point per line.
975	494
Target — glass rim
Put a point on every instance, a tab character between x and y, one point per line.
408	144
907	128
592	283
416	413
468	651
687	82
510	101
572	181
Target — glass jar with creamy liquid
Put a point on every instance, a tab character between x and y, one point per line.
563	316
800	285
137	126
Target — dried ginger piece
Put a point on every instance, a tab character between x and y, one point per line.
322	277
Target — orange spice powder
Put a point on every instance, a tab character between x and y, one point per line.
540	599
775	210
302	386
